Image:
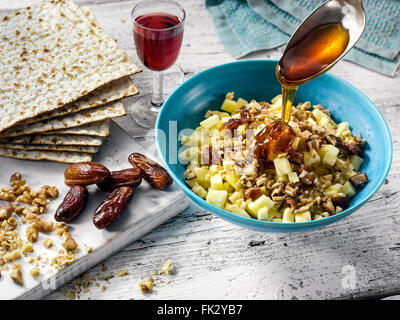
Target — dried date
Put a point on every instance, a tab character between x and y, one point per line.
86	173
74	202
151	171
131	177
112	207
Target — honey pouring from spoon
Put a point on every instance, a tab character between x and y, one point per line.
320	41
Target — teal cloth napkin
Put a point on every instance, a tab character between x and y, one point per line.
252	25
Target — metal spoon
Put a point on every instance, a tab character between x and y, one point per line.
349	13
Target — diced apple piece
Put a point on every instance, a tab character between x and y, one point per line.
311	158
237	210
317	217
210	122
295	143
248	170
324	122
184	139
342	128
277	99
228	164
200	191
264	214
241	102
216	182
347	174
293	177
264	201
252	209
230	106
236	196
189	154
288	215
349	190
319	115
214	169
303	217
203	177
282	178
213	134
328	153
323	150
333	190
276	220
282	166
234	180
192	182
356	162
217	197
228	187
191	141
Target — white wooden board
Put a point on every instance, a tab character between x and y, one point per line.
148	209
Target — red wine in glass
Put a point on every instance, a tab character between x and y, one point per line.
157	40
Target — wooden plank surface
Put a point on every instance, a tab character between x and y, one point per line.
215	259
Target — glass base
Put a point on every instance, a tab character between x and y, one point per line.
144	112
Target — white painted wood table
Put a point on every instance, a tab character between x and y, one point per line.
215	259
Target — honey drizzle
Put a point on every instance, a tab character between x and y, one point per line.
306	58
301	61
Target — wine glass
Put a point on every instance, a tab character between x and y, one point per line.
158	32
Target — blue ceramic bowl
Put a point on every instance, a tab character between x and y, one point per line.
255	79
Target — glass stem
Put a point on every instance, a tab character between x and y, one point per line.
157	97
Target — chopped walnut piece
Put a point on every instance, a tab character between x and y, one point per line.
69	243
145	287
18	185
32	232
19	210
5	212
41	225
16	254
307	178
25	197
48	192
6	194
16	275
254	193
60	229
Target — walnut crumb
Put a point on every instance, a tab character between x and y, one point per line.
35	271
27	247
167	268
47	243
122	273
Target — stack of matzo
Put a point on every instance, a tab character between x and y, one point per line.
62	78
